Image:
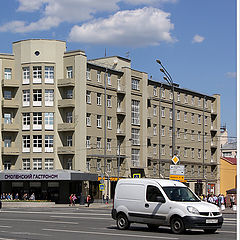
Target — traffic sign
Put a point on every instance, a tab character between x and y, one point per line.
177	170
175	160
176	177
137	175
101	187
102	180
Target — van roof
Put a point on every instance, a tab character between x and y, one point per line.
161	182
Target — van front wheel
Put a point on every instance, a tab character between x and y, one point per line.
177	225
122	222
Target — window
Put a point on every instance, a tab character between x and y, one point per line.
7	165
135	136
185	152
26	98
163	130
49	121
205	154
7	73
185	116
170	151
26	75
26	164
7	142
69	164
154	110
163	150
185	133
170	113
193	100
69	117
88	97
170	132
192	170
185	98
170	95
88	119
49	163
37	97
7	95
178	115
69	94
109	79
7	118
199	136
99	124
135	157
88	142
99	96
109	122
88	165
99	143
49	97
135	84
192	135
199	119
88	74
178	96
163	112
154	90
98	164
152	194
49	74
109	163
154	149
37	121
192	152
48	143
26	121
178	132
155	129
37	74
199	170
109	101
205	120
205	103
70	72
192	117
37	143
199	102
26	143
199	153
37	164
135	112
163	93
69	141
98	76
109	144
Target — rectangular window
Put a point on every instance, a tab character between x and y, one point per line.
185	152
37	164
37	143
109	144
88	165
7	165
98	76
163	112
154	110
7	73
163	150
109	79
26	98
135	158
170	113
185	98
49	97
99	124
163	131
163	93
48	163
37	74
185	133
49	74
69	141
178	132
98	164
155	91
69	94
26	164
109	163
199	136
88	142
170	132
37	97
199	119
178	115
154	149
48	143
192	117
88	74
88	97
135	84
109	122
199	153
205	120
170	95
69	117
199	102
178	96
193	101
70	72
7	95
135	112
7	142
135	136
205	154
109	101
185	116
192	152
192	135
26	75
99	96
49	121
26	143
69	164
99	143
88	119
155	129
7	118
192	170
37	121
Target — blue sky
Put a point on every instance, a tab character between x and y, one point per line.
195	39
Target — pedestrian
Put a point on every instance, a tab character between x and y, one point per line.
88	200
232	201
16	196
71	200
107	199
74	198
32	197
103	198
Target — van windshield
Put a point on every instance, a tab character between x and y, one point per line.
180	194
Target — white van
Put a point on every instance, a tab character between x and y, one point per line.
158	202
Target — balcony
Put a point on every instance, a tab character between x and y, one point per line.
121	89
10	127
66	82
121	111
213	128
65	103
213	144
10	83
120	133
66	150
10	103
10	151
66	127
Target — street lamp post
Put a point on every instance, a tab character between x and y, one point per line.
167	77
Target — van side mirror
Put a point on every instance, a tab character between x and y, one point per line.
160	199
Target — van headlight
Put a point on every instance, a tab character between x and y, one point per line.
193	210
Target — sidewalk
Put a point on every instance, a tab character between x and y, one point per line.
93	205
229	211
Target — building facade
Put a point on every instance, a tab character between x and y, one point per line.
90	120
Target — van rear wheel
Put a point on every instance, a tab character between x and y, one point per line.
177	225
122	222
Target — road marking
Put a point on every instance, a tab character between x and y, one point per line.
109	234
233	219
7	239
227	232
228	224
1	226
97	218
33	220
26	233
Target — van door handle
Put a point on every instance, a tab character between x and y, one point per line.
146	205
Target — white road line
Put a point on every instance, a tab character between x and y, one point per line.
79	217
109	234
2	226
7	239
33	220
228	224
233	219
227	232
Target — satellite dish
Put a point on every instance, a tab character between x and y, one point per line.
115	61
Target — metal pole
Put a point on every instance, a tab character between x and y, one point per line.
159	132
118	162
105	122
173	122
203	128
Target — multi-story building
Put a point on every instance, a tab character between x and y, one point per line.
67	120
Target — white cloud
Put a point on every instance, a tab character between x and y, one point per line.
148	2
231	74
141	27
198	39
30	6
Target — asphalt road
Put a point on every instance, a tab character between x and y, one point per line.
86	223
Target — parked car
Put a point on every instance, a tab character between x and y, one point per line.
163	202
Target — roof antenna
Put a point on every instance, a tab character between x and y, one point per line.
105	52
127	54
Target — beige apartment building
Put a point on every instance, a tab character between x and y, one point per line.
68	122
